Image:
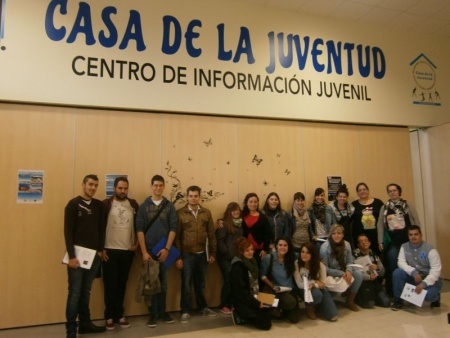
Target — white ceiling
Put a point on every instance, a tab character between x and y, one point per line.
431	17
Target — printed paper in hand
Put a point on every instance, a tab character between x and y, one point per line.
409	294
308	295
85	256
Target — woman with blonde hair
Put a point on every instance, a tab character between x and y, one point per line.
337	256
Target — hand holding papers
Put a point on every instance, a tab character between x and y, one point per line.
409	294
84	255
308	295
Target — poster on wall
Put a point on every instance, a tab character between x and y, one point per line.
30	187
333	183
109	191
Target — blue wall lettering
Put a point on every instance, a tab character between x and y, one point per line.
171	48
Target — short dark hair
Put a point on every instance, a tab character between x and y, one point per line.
360	184
362	235
193	188
90	176
299	196
342	190
158	178
120	179
399	188
414	227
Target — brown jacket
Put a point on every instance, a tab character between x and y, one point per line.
192	232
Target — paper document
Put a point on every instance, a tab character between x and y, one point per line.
365	262
409	294
267	299
85	256
308	295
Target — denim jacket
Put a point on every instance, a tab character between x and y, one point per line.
330	219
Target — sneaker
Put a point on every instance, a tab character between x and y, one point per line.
225	310
167	318
208	312
397	304
151	321
236	318
123	322
109	324
184	319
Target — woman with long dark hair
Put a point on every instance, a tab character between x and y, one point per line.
226	250
315	271
277	271
278	218
337	255
256	226
322	217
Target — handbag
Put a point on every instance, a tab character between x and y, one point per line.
336	284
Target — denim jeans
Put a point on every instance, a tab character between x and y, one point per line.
390	259
80	284
115	277
400	277
194	269
357	275
324	301
225	295
158	306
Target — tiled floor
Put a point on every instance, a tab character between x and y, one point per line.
411	322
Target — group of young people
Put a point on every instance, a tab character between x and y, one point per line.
291	254
303	254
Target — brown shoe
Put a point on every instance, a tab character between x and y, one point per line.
351	301
310	313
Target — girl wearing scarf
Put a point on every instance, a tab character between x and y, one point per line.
396	216
244	285
344	213
300	222
226	237
322	217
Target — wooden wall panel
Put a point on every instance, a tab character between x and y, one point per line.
386	158
270	155
330	150
34	138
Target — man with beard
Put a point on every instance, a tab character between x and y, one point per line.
120	247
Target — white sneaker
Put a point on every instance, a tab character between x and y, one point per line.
184	319
208	312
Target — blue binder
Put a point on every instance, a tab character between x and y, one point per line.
174	253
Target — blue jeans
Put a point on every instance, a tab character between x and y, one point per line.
390	259
158	306
115	277
357	275
225	295
400	277
324	301
80	284
194	269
